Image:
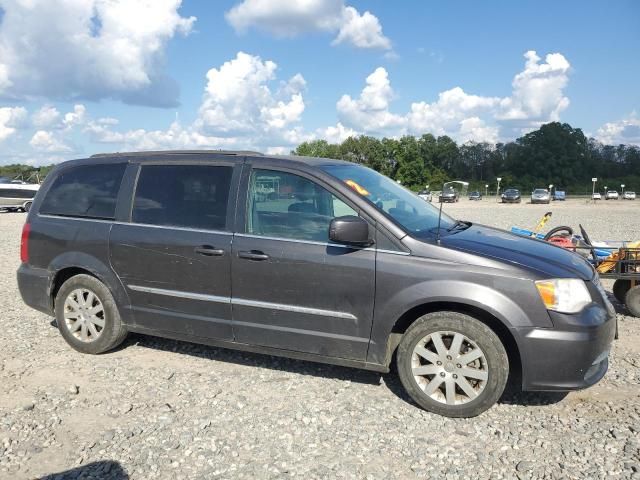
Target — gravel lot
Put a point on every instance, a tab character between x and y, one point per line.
164	409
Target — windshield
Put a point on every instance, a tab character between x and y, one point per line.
406	208
539	190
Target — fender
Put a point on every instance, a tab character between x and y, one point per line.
482	297
97	268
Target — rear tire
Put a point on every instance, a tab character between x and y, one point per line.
620	289
632	301
435	374
26	207
87	315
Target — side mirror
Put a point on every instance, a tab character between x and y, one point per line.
350	230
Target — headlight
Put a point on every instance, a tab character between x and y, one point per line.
566	295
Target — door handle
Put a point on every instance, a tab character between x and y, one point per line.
209	251
253	255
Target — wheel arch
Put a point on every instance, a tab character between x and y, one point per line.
71	264
492	321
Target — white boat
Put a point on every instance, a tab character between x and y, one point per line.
17	196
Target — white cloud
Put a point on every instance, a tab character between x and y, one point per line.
46	117
538	91
289	18
537	97
44	141
89	49
75	118
625	131
239	109
238	100
11	118
362	31
337	134
370	112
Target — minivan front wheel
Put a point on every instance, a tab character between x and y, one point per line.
87	315
452	364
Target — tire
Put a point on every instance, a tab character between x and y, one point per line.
112	332
26	207
620	289
556	230
478	337
632	301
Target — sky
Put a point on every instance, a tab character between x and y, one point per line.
79	77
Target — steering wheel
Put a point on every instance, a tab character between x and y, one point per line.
566	232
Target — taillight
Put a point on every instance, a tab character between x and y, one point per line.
24	243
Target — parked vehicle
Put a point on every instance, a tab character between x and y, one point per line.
611	195
425	195
450	195
511	195
596	196
560	195
475	196
541	195
17	196
629	195
353	270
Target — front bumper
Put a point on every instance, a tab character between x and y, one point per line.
511	200
571	356
33	284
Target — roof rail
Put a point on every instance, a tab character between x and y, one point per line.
176	152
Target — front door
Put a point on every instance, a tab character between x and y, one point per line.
174	256
292	288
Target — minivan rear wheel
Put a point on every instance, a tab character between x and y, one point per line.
452	364
87	315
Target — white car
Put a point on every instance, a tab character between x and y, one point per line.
425	195
611	195
596	196
629	195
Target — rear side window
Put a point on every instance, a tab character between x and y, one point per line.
86	191
193	196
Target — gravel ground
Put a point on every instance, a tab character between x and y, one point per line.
164	409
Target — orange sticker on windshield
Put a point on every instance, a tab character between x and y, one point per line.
358	188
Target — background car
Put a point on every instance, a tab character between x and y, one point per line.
425	195
475	196
450	195
611	195
596	196
629	195
560	195
540	195
511	195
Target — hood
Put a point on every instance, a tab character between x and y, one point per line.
511	194
544	258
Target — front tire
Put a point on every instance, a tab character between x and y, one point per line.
452	364
87	315
620	289
632	301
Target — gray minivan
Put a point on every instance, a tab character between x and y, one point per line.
313	259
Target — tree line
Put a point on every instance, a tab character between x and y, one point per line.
556	154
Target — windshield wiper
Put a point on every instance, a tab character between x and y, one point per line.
459	225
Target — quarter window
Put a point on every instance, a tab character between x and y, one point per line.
194	196
85	191
285	205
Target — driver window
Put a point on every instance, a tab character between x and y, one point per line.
284	205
